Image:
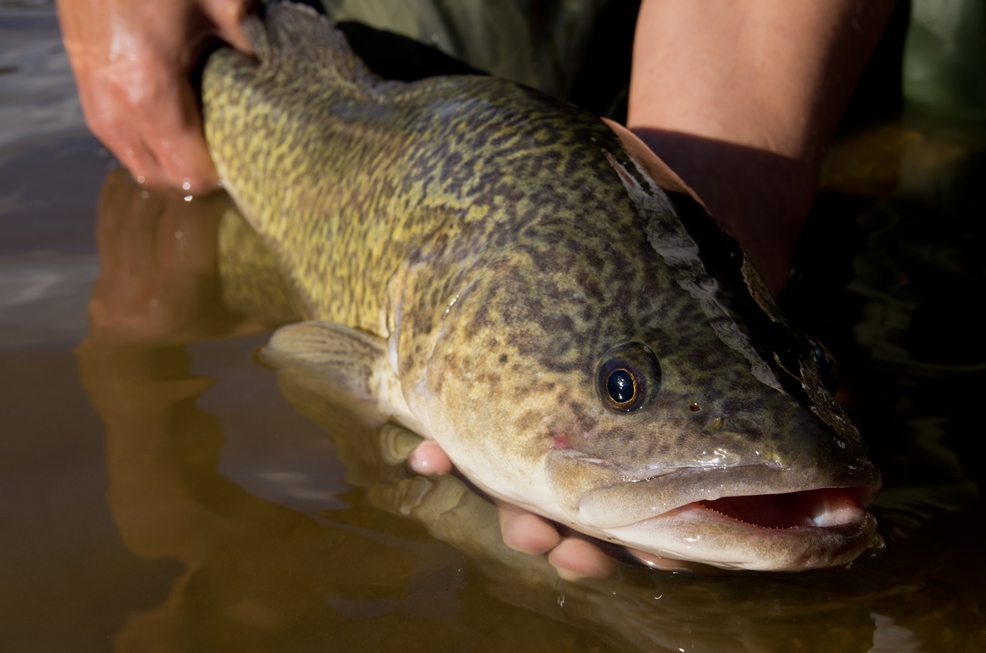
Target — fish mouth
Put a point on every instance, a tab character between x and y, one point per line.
818	508
742	524
794	531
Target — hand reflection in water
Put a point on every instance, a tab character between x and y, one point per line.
159	281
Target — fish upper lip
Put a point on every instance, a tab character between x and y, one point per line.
638	500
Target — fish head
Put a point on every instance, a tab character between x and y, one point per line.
647	391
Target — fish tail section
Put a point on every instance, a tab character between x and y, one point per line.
298	34
270	119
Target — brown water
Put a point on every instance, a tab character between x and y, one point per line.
160	492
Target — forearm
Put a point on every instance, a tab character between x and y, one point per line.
741	98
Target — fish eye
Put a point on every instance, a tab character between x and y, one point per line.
621	386
629	377
828	370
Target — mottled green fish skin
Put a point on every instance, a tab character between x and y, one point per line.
505	242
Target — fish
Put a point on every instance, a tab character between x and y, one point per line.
532	288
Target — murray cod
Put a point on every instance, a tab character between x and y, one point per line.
536	291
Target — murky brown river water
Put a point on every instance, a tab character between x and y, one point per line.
160	492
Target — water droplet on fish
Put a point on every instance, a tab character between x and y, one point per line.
140	179
188	198
144	194
186	185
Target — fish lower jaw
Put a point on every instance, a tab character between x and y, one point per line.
795	531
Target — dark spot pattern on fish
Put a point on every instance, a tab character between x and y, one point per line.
505	242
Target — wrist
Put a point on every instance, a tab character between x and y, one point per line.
761	198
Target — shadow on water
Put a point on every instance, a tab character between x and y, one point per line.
162	491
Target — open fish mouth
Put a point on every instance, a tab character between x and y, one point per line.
819	508
742	526
793	531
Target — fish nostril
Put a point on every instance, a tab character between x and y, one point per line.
694	408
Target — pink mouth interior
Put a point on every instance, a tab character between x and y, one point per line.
822	508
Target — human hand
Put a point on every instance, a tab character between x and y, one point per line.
524	531
132	62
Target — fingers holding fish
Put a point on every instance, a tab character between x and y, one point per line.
572	557
429	458
576	558
524	531
132	63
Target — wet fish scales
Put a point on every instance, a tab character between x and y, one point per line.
472	254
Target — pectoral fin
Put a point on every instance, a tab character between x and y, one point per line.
345	365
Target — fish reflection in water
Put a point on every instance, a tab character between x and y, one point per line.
380	573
